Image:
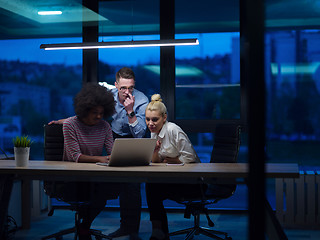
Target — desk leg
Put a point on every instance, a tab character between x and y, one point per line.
273	227
26	203
6	183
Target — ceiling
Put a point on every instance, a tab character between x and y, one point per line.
20	19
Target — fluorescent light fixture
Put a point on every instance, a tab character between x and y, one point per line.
49	13
207	85
120	44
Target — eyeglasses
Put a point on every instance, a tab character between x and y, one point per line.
123	89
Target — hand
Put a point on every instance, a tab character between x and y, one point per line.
103	159
157	147
128	103
172	160
93	159
60	121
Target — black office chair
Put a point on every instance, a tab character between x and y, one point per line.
53	151
225	150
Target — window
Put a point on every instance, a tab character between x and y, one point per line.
209	74
143	62
36	86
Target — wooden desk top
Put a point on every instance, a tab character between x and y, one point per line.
155	172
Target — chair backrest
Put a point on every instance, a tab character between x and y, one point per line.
53	142
225	150
53	151
226	143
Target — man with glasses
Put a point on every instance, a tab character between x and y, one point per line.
127	122
129	119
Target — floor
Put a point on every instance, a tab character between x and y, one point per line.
108	221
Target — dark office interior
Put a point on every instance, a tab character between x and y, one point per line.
257	65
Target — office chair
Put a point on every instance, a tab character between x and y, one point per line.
53	151
225	150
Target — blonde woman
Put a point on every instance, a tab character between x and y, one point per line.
174	147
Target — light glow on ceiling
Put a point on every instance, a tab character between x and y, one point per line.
290	68
72	11
181	71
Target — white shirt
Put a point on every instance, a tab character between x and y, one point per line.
175	143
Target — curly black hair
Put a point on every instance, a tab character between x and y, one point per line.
92	95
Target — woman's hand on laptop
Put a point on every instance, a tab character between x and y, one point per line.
103	159
93	159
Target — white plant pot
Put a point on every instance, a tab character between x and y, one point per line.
21	156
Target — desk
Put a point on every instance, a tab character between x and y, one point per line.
154	173
191	173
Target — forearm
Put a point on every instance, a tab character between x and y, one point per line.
156	158
132	120
92	159
137	123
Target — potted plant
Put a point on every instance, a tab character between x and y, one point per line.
4	153
21	150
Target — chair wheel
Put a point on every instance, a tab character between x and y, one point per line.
228	238
59	238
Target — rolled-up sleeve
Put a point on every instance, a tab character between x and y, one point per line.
138	129
108	141
175	143
184	146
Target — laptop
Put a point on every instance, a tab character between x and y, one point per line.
132	151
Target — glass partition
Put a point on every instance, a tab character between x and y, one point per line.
293	95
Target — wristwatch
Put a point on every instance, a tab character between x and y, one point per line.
131	115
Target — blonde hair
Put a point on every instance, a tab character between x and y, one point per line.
156	104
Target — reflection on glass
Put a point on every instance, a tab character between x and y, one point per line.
292	63
208	78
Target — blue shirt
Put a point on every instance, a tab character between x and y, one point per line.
120	123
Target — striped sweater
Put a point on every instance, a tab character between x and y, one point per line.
83	139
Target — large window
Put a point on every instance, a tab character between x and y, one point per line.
208	78
143	62
36	86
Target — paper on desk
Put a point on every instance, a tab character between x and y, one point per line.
174	164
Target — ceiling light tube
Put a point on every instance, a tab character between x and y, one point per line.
49	13
120	44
